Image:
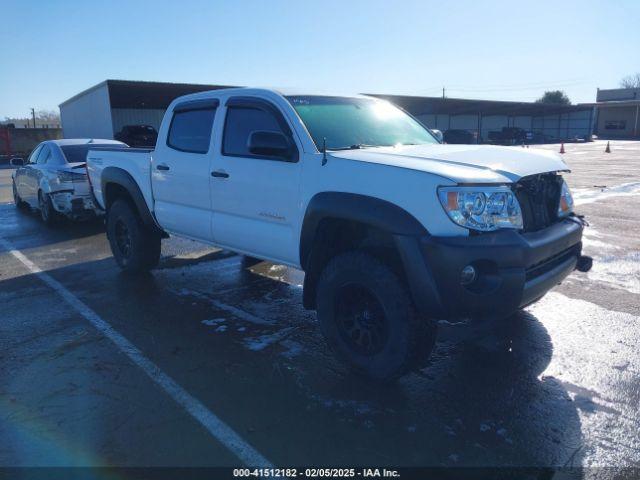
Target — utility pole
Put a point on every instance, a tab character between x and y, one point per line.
33	115
442	92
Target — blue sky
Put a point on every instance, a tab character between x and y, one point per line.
51	50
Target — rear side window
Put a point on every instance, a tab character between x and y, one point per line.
239	124
190	130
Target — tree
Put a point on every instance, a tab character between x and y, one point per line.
631	81
50	116
557	97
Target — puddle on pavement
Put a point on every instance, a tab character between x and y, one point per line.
280	273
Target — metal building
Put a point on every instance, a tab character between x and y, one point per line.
548	122
102	110
618	113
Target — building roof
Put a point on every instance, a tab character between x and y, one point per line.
462	106
617	94
145	95
158	95
615	103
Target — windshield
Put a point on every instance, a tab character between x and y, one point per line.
78	153
358	122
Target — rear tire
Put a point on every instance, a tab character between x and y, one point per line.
134	246
368	318
48	214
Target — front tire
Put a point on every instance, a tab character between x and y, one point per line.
19	203
135	247
368	318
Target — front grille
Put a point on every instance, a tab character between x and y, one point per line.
550	263
539	196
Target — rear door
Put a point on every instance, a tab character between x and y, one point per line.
255	198
180	170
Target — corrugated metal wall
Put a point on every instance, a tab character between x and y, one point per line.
552	127
131	116
88	115
564	126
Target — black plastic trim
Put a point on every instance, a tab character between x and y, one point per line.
261	104
538	286
503	259
191	106
371	211
118	176
202	104
267	106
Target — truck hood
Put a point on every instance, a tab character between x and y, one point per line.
462	163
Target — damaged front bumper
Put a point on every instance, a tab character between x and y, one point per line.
510	269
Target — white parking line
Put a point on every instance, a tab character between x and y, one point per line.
216	427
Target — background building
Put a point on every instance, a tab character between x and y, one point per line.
618	113
547	122
102	110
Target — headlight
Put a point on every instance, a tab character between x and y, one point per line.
565	206
481	208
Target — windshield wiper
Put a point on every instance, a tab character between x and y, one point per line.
356	146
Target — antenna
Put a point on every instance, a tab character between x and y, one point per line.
324	151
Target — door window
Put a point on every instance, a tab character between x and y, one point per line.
190	130
34	154
239	124
44	155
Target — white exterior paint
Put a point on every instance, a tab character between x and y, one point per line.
259	209
88	115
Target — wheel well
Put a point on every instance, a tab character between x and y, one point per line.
334	236
114	191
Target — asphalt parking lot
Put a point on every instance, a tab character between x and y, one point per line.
557	385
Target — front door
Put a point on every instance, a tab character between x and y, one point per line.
255	198
181	171
29	178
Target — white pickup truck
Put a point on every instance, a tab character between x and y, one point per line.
392	228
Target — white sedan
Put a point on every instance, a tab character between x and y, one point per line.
54	180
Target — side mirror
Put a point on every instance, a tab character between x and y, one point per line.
269	144
437	134
17	161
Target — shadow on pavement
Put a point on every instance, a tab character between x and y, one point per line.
242	344
25	230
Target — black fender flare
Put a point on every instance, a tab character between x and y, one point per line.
372	211
119	176
405	229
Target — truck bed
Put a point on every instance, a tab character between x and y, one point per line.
135	161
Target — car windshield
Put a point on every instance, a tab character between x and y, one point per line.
78	153
358	122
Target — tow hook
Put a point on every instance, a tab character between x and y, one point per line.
584	263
